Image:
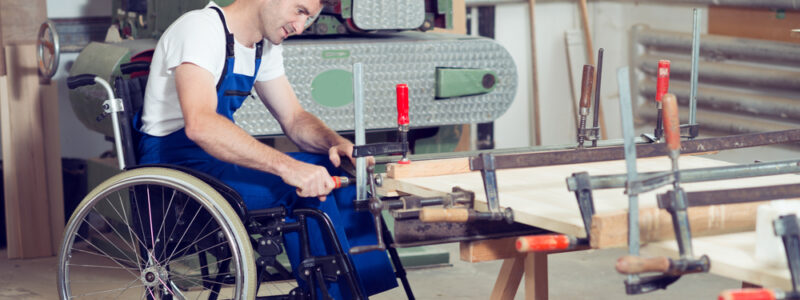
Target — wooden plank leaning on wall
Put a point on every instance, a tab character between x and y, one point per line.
30	137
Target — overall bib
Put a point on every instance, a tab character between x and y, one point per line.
263	190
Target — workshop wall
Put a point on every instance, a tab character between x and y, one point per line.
609	23
76	140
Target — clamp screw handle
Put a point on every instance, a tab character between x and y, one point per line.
402	104
662	83
672	124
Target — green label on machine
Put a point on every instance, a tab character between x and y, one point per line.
334	54
333	88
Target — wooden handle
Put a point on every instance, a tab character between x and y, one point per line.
747	294
662	85
586	85
672	124
637	264
402	104
544	242
457	215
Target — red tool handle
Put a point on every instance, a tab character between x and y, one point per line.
544	242
672	124
586	85
402	104
747	294
340	181
662	85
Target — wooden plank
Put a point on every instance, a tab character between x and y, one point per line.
732	256
611	229
2	49
539	196
28	229
53	169
488	250
536	276
754	23
20	20
508	279
426	168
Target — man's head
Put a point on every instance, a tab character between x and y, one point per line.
282	18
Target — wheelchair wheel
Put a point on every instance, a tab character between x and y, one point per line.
155	233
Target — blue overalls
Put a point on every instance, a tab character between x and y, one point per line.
263	190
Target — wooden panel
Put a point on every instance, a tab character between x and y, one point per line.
732	256
428	168
27	209
755	23
488	250
2	47
52	152
540	198
611	229
21	20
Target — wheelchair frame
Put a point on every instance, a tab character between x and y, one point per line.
235	239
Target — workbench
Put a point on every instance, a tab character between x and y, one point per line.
539	197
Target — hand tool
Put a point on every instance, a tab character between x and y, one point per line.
662	87
365	177
671	269
586	94
788	229
596	109
466	214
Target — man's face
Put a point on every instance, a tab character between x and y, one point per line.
282	18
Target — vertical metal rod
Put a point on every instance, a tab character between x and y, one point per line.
599	76
626	111
694	74
361	163
115	110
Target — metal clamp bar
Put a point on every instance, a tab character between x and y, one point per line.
561	157
698	175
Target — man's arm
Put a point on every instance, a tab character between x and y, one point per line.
224	140
307	131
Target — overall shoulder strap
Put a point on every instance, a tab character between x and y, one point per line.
228	45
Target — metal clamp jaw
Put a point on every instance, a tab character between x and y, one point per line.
375	206
489	175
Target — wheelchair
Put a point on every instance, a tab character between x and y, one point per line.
169	232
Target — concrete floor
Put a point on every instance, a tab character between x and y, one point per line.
575	275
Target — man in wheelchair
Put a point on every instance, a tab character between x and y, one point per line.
203	68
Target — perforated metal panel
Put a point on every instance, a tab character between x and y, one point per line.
410	58
388	14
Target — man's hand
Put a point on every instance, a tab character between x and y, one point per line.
336	152
310	180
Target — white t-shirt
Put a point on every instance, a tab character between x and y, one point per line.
196	37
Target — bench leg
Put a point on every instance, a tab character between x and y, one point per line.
536	276
508	280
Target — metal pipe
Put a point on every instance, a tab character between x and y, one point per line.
699	175
720	73
775	108
360	135
695	56
727	123
721	47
